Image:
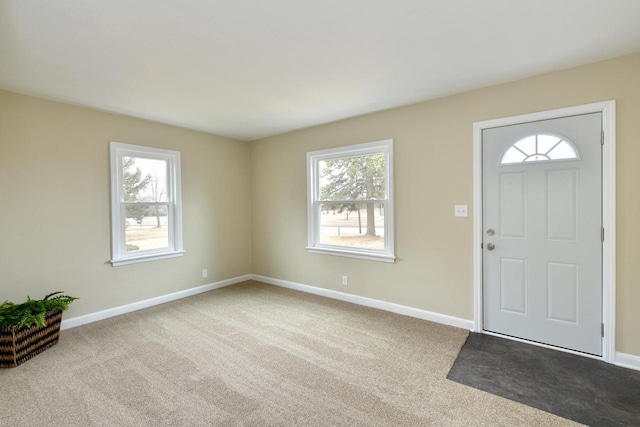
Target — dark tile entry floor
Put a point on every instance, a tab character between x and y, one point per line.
578	388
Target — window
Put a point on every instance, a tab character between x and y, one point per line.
146	212
350	201
539	147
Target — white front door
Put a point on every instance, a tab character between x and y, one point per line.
542	222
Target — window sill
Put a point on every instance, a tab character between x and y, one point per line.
353	254
145	258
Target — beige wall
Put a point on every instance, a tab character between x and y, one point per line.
54	198
433	171
54	206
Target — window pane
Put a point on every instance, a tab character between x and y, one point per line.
144	180
563	151
352	178
513	156
146	227
528	145
536	158
546	142
352	224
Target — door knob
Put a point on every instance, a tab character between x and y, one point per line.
491	246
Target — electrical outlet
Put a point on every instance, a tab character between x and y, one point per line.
345	280
460	210
204	273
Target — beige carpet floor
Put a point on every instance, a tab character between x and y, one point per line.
255	355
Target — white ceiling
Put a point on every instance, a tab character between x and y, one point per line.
253	68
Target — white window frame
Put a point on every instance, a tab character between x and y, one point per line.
119	255
314	203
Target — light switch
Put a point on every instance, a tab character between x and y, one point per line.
460	210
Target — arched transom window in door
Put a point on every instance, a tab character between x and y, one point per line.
539	147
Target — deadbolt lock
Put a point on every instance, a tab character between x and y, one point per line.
491	232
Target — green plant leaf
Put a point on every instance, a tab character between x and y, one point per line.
32	312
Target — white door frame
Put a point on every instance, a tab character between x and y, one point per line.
608	110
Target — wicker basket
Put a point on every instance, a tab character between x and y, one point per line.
17	345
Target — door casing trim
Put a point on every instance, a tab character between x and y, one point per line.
608	110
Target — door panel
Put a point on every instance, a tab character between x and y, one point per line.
542	256
562	205
513	297
513	205
562	280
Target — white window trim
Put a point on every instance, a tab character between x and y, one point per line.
313	206
119	254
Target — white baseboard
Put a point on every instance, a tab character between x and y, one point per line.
627	361
621	359
128	308
368	302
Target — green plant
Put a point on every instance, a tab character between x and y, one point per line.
32	312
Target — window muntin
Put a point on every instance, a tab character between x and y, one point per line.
539	147
351	201
145	204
